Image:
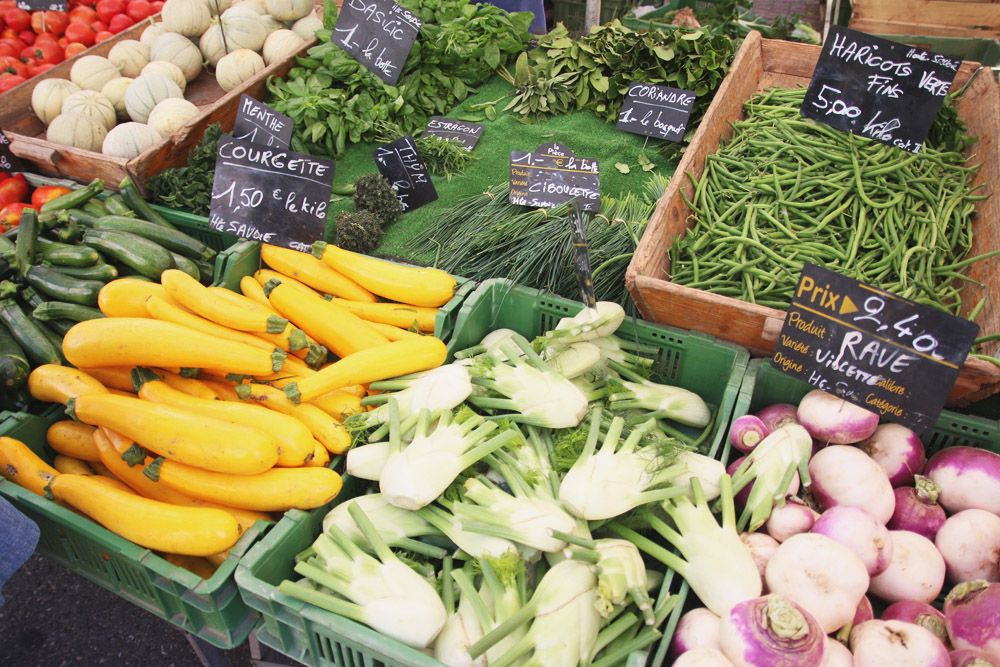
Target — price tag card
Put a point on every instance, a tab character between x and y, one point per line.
553	175
656	111
446	128
378	33
260	124
8	161
877	88
41	5
887	354
401	164
270	195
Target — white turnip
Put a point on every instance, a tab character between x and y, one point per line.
895	643
844	475
836	654
792	518
969	478
969	541
822	576
762	546
858	530
697	628
703	657
833	420
916	571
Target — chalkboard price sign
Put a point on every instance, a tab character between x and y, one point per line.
41	5
270	195
401	164
260	124
553	175
872	348
877	88
446	128
8	161
656	111
378	33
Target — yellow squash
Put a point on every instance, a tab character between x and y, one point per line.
313	272
392	332
342	332
252	289
194	531
294	441
190	386
72	439
126	297
324	428
263	276
58	384
211	305
181	434
161	309
23	467
116	377
401	315
67	465
130	341
112	445
406	284
375	363
275	490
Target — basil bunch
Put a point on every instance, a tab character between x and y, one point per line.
333	99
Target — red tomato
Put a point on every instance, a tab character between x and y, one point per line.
8	81
9	33
74	48
27	36
8	51
10	215
82	14
103	35
15	188
17	19
157	6
7	4
39	67
14	43
108	9
45	193
45	51
49	21
80	33
11	65
99	25
4	175
138	10
119	23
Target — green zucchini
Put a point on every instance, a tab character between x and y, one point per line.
6	244
70	232
171	239
14	366
60	310
142	255
80	216
16	400
27	234
43	243
71	255
74	199
117	206
207	271
65	288
31	298
60	327
95	207
56	340
186	265
99	271
130	193
28	334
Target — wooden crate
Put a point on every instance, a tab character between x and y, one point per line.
27	133
940	18
759	64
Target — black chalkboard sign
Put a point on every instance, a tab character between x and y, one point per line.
378	33
270	195
887	354
877	88
401	164
41	5
8	161
656	111
553	175
446	128
260	124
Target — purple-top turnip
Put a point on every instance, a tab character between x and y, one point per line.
836	654
898	450
969	478
777	415
844	475
746	432
858	530
969	541
968	657
771	631
833	420
918	613
917	508
972	615
895	643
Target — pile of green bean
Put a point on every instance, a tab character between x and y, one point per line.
786	190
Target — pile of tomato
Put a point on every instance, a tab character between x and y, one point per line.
32	42
16	195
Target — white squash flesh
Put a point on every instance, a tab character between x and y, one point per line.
279	44
170	114
237	67
186	17
179	50
93	104
114	90
47	97
92	72
167	69
129	140
288	10
146	92
73	129
306	27
129	56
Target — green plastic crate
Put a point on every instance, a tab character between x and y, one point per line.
763	384
211	609
573	13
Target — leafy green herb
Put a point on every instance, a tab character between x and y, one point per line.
374	193
190	187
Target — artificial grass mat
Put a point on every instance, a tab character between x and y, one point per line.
583	132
